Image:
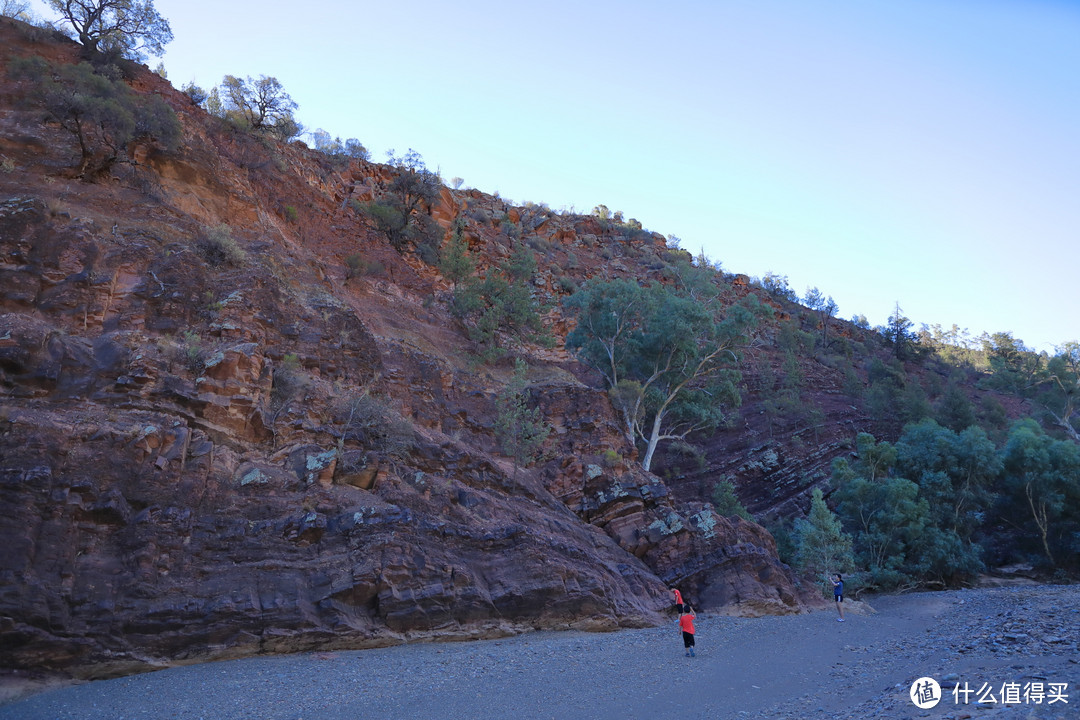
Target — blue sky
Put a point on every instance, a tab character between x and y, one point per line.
920	152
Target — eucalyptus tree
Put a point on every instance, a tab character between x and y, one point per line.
1059	390
1042	477
669	360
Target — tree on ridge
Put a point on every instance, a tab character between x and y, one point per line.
130	28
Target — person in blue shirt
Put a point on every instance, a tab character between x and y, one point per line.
838	595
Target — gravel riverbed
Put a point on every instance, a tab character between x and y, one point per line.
1022	641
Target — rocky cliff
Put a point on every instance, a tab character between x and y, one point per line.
183	470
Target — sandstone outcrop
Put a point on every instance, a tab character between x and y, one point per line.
181	473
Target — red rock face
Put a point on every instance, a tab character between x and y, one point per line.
178	478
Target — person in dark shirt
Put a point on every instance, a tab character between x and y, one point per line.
838	595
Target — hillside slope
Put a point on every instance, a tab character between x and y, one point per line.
182	470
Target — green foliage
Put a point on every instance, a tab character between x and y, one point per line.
793	340
128	28
668	357
904	341
214	104
1042	483
1058	390
886	517
916	508
192	352
892	398
953	409
98	109
521	264
825	307
260	106
388	219
403	211
726	502
519	426
457	263
821	545
493	304
219	248
777	286
356	150
853	384
291	213
567	284
356	265
350	149
197	94
955	472
497	302
783	395
954	346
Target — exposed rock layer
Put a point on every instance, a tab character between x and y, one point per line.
176	479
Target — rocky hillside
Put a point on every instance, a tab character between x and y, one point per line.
220	445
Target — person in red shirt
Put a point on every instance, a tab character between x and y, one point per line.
686	622
678	600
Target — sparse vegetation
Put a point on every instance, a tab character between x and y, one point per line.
499	302
519	425
403	212
219	248
335	148
356	265
369	421
192	352
98	109
197	94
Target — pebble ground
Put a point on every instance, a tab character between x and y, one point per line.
805	666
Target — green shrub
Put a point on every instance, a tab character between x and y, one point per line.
98	109
191	352
726	502
219	248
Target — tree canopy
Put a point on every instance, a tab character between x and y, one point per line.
98	109
260	104
129	28
668	355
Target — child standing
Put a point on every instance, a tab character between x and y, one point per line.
678	600
686	622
